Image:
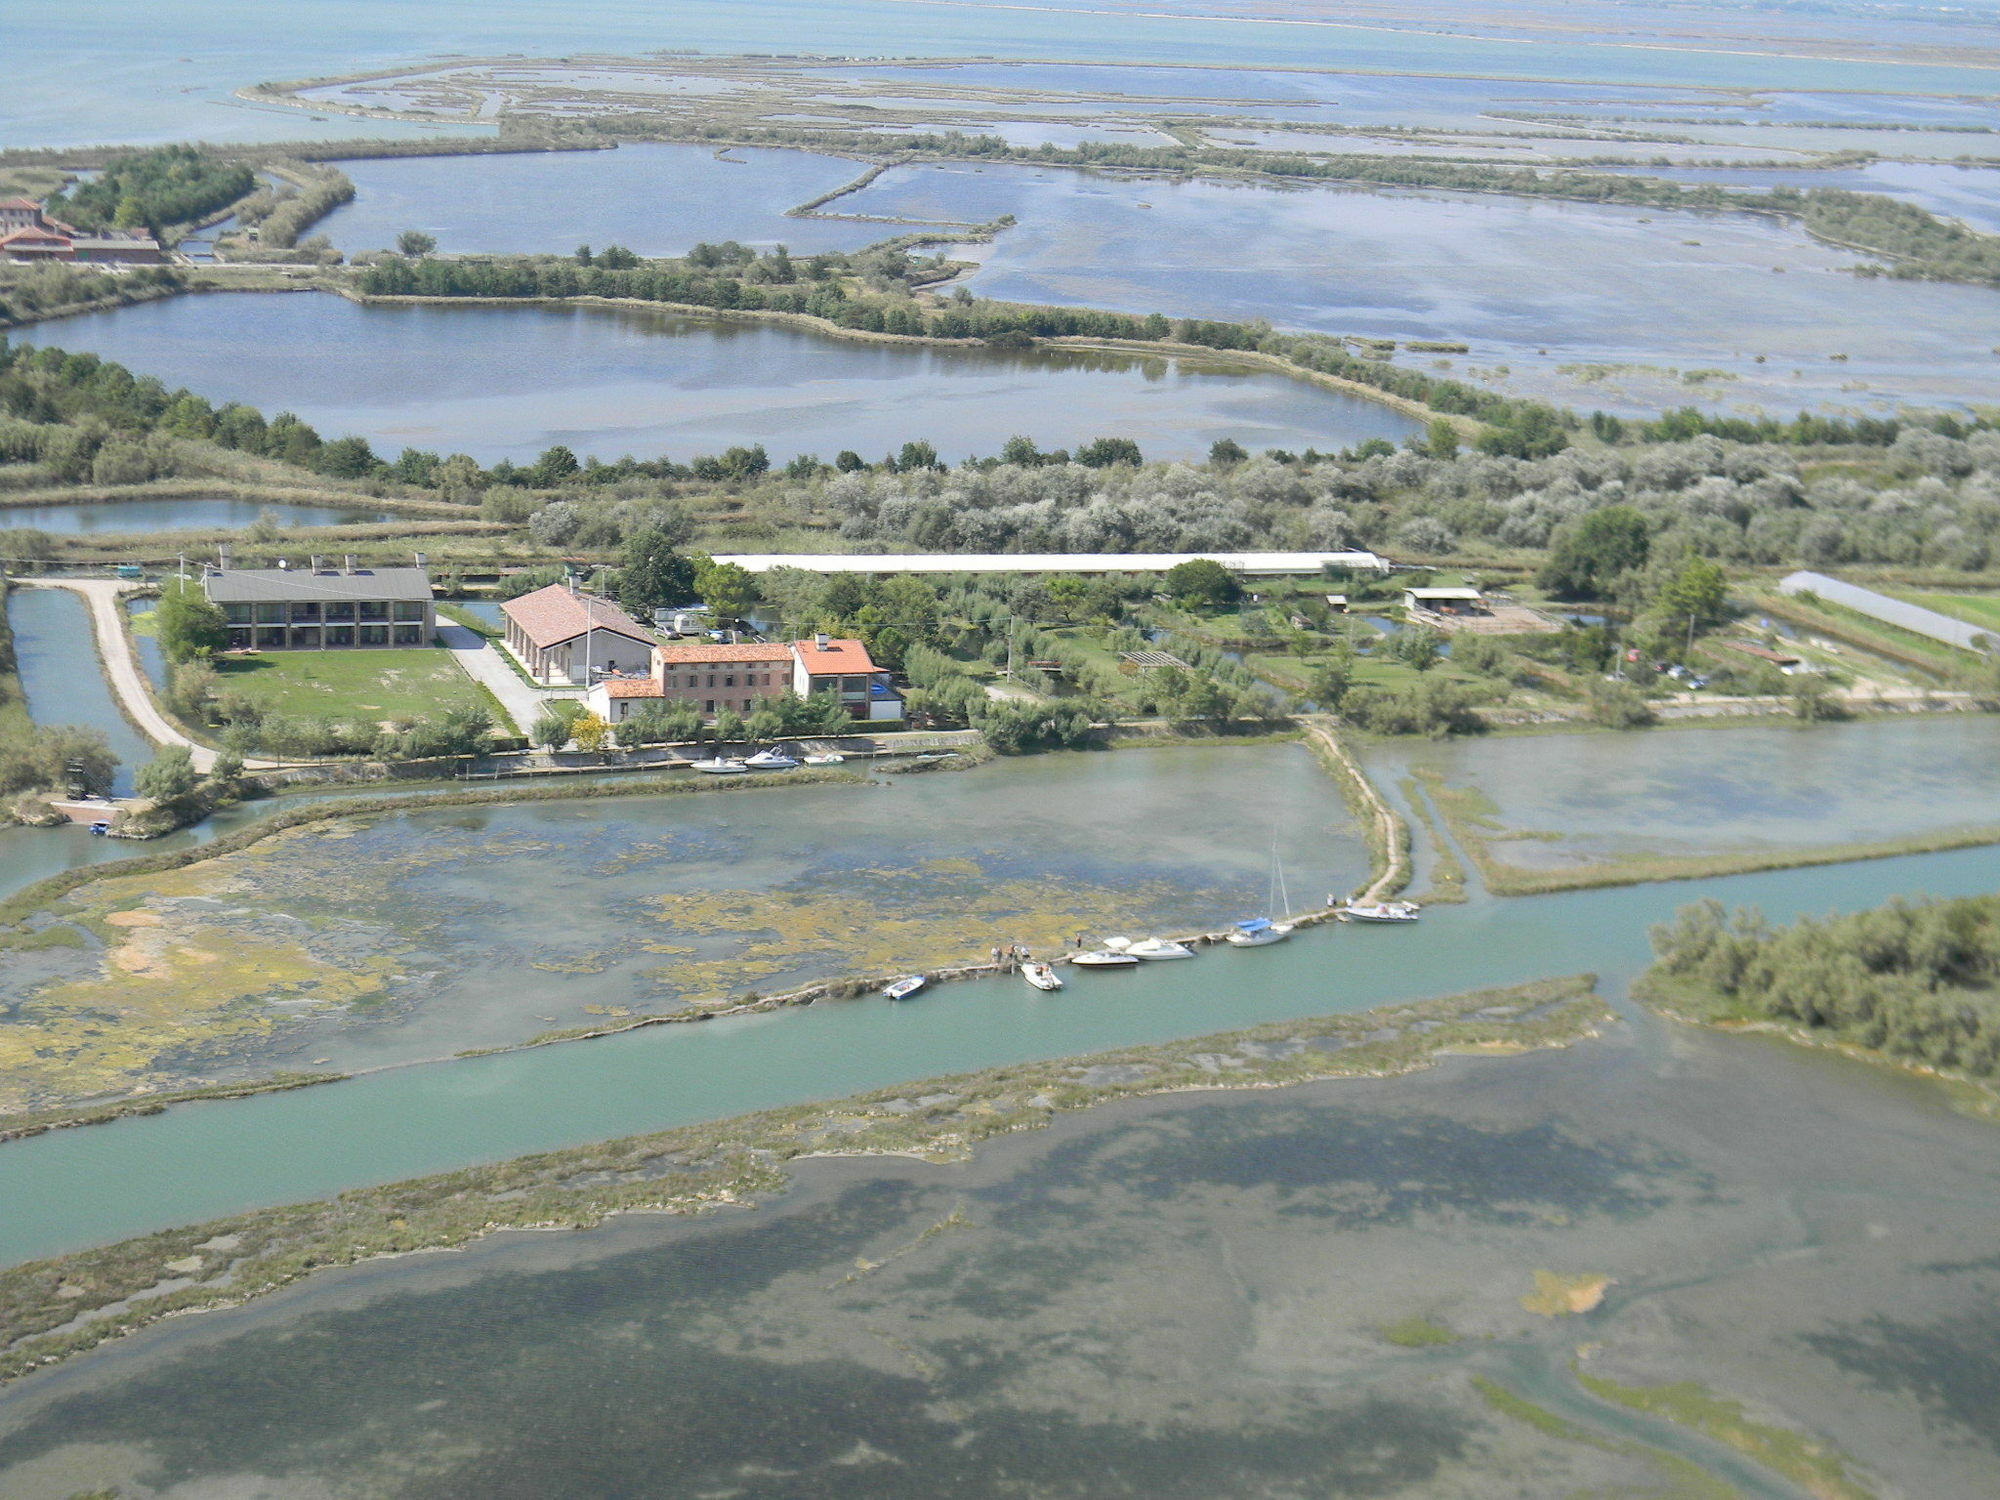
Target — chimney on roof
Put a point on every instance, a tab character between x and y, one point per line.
822	640
350	562
422	561
318	562
222	558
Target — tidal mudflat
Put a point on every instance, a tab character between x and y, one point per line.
399	936
1468	1281
1582	803
507	381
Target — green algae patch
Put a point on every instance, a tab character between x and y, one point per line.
188	968
1822	1472
54	1308
1416	1332
940	914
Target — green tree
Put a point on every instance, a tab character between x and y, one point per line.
1102	453
729	589
414	244
1201	580
1696	595
728	727
651	574
1419	648
551	730
189	624
1589	556
1226	453
1441	441
169	776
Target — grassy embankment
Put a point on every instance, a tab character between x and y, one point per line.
1473	821
693	1169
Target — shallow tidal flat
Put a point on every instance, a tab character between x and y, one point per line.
1643	298
1460	1282
506	381
396	937
1580	809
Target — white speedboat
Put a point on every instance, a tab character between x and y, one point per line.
1104	958
721	767
1380	911
903	988
826	760
1257	933
1041	976
771	760
1157	948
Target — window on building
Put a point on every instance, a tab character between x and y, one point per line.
270	614
409	611
729	679
340	611
236	614
709	706
270	637
374	635
711	683
374	609
340	635
305	638
305	612
239	640
409	635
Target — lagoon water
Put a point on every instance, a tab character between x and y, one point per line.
506	382
121	70
653	199
183	514
1564	800
1181	1297
1644	295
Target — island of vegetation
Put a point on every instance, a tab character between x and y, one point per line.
1914	982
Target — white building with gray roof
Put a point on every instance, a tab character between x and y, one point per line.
323	608
1898	612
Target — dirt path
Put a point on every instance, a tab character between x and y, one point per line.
1389	828
121	665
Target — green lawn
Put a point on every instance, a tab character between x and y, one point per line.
1974	609
418	682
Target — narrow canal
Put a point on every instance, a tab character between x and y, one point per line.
198	1161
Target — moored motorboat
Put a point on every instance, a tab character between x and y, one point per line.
1257	933
1379	911
771	760
1041	976
1158	948
721	767
1104	958
903	988
829	759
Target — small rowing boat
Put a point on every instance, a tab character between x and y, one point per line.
903	988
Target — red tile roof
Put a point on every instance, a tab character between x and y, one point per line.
839	658
558	613
631	687
697	653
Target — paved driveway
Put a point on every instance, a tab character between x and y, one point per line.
485	665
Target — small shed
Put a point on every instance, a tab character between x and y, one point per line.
1151	661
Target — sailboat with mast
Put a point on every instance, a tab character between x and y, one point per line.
1260	932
